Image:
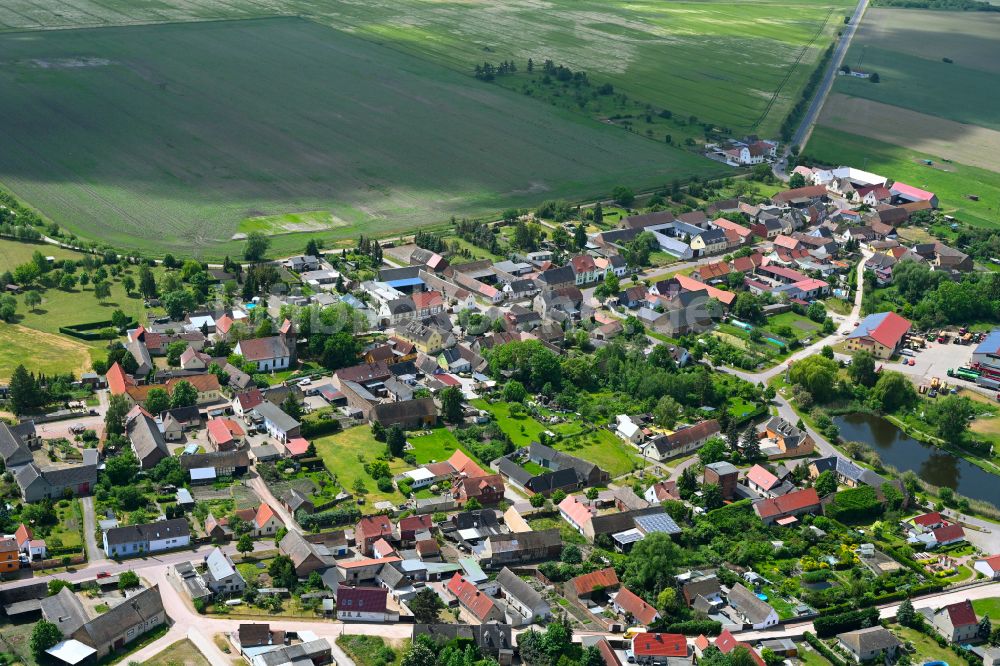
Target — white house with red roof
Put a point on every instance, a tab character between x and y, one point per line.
33	548
956	622
989	567
477	603
881	334
244	402
266	521
656	648
634	607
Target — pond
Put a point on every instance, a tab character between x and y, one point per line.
933	465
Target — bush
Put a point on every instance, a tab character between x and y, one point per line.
830	625
332	517
694	628
855	505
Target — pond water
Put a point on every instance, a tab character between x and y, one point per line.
933	465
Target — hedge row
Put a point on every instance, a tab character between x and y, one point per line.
824	650
831	625
694	628
331	518
91	331
319	428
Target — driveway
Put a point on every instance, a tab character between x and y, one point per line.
95	555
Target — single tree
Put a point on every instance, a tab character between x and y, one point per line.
114	418
32	299
451	404
102	290
256	246
426	605
128	283
127	580
245	544
184	395
825	483
395	441
44	635
157	401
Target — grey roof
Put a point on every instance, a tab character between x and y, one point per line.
513	586
65	610
12	449
557	276
490	637
136	610
292	654
722	468
275	415
871	639
519	541
513	471
163	529
562	460
748	604
295	546
219	565
145	437
392	577
215	459
552	481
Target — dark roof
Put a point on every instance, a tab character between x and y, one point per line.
216	459
13	451
514	586
136	610
362	599
418	408
177	527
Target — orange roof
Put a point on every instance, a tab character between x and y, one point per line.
118	381
223	430
426	299
463	464
264	514
202	383
23	534
636	607
793	501
701	642
224	323
726	642
659	645
690	284
587	583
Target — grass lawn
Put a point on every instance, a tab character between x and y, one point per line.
569	535
181	653
838	306
602	447
17	641
801	327
14	253
809	657
40	352
69	530
927	647
435	446
369	650
292	145
522	429
989	606
738	407
345	454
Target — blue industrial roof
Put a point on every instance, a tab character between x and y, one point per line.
868	324
405	282
990	345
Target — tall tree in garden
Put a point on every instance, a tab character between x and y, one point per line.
157	401
580	235
184	395
43	636
114	418
256	246
395	441
598	213
25	393
451	404
147	283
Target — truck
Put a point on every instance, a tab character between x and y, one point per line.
942	337
935	382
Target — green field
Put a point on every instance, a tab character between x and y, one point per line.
179	133
602	447
989	606
733	62
835	147
345	455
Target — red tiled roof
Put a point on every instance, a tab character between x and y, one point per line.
8	546
659	645
726	642
636	607
810	283
427	547
749	263
372	526
690	284
463	464
961	613
608	654
477	486
781	240
118	381
713	270
761	477
698	431
201	383
448	379
890	331
250	399
382	548
297	446
264	514
416	523
23	534
949	533
367	562
583	263
223	431
576	510
793	501
426	299
928	519
912	192
478	603
224	323
729	225
605	578
362	599
787	273
665	490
